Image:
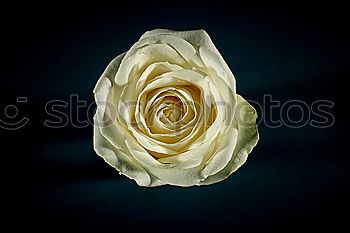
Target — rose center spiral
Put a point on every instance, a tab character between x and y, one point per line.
173	109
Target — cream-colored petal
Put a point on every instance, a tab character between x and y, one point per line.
195	37
208	52
218	66
137	62
213	130
109	72
106	109
120	160
247	139
223	154
108	136
155	70
103	87
178	177
191	158
184	48
166	173
142	156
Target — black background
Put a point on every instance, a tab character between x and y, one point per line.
295	179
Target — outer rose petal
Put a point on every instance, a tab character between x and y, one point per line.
248	137
107	140
208	52
119	160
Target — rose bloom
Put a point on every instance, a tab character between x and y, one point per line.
168	112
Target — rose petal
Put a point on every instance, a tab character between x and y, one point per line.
119	160
213	59
136	63
208	52
222	154
247	138
103	86
155	70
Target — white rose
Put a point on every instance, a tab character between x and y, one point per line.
168	112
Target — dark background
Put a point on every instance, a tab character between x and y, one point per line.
295	179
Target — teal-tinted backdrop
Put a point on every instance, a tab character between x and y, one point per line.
294	179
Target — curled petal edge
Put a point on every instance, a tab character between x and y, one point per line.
247	138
